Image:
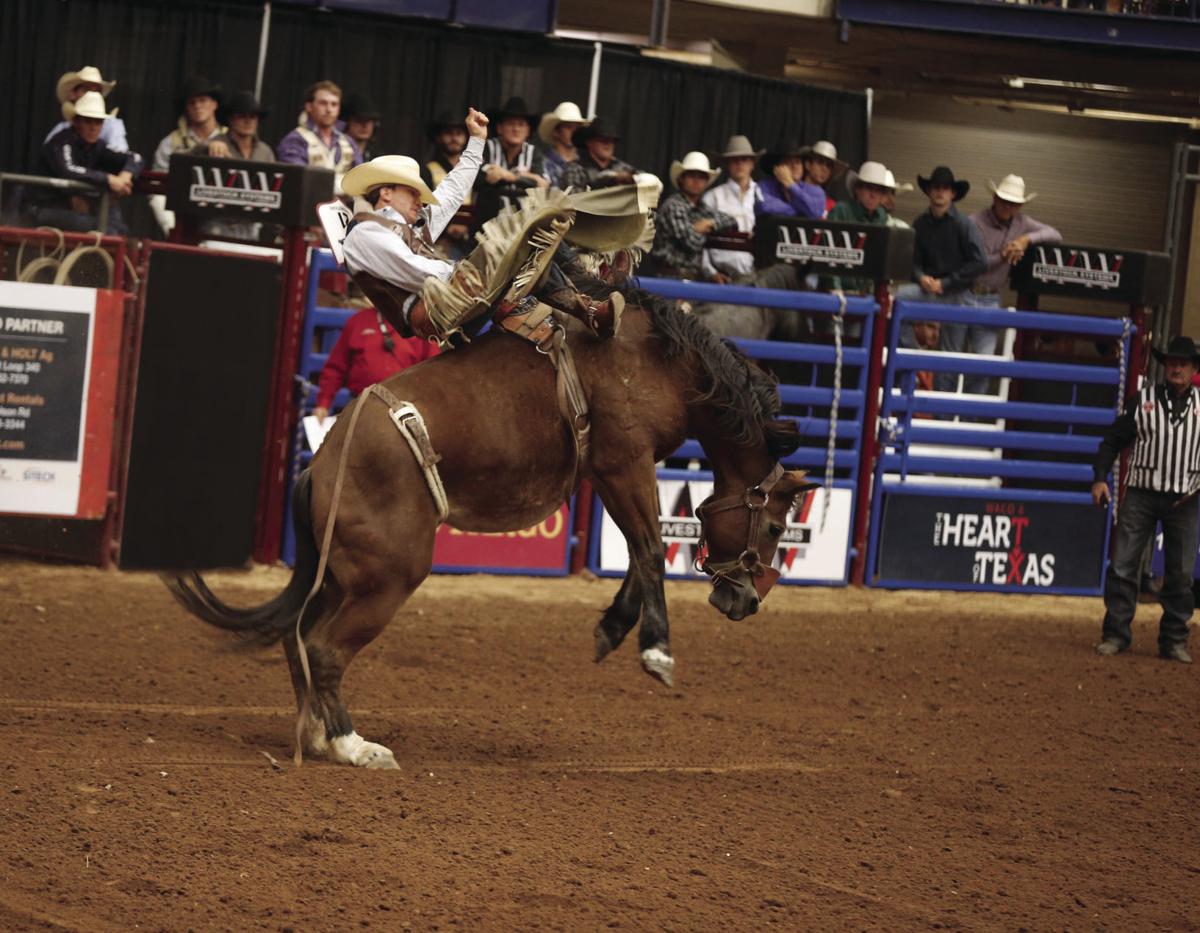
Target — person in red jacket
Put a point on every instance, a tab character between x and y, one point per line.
367	352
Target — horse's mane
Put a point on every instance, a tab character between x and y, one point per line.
744	397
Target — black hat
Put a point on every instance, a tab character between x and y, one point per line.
777	154
943	176
360	107
599	128
1179	347
443	121
199	86
244	102
515	107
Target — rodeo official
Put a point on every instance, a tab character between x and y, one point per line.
1163	423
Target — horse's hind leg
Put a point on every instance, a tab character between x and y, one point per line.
620	617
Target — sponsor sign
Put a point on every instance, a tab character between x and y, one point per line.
866	250
807	553
251	191
48	334
995	543
1092	272
274	192
543	549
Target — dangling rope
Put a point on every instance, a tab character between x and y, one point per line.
44	263
839	320
81	252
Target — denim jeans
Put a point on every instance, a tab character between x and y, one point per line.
1140	511
959	338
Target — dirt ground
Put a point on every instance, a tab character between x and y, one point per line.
847	759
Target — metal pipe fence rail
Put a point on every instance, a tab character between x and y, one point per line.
60	184
932	524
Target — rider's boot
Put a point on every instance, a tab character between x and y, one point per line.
602	318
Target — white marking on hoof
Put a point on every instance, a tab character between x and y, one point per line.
657	663
352	749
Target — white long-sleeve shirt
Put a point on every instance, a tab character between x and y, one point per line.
730	199
375	249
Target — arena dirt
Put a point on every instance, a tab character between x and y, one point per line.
847	759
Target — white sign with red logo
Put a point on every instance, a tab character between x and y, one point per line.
807	552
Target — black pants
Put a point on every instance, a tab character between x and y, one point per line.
1140	510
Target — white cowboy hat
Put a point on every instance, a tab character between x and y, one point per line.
826	150
899	189
88	74
739	147
871	173
693	162
387	170
91	105
566	112
1011	189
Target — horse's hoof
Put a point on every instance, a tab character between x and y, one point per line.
353	749
380	759
660	665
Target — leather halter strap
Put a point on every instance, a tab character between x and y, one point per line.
755	499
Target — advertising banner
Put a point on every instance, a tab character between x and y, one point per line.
996	543
807	554
58	370
543	550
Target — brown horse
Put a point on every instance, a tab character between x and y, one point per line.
506	459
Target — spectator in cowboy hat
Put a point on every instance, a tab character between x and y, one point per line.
198	103
867	188
448	134
511	164
888	201
597	165
783	190
555	131
74	84
822	166
735	197
1162	424
241	140
948	256
77	153
684	221
362	120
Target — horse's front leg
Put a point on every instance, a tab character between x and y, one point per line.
631	497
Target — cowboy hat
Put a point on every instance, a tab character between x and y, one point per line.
514	108
824	149
1179	348
88	74
1011	189
693	162
899	189
566	112
360	107
870	173
244	102
91	105
599	128
943	176
198	86
443	121
739	147
387	170
788	149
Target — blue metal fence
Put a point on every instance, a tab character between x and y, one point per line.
932	490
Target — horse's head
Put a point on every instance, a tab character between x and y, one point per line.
742	531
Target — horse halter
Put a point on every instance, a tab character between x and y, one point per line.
755	499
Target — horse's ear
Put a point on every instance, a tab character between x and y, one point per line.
783	437
794	482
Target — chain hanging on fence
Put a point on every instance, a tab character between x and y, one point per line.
839	320
1122	373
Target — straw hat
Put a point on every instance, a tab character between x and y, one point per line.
870	173
91	105
88	74
1011	189
693	162
824	149
387	170
739	147
899	189
566	112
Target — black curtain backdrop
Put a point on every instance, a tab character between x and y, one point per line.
411	70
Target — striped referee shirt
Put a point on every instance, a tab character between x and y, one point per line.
1164	429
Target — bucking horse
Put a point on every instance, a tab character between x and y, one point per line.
506	458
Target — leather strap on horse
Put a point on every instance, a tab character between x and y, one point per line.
411	425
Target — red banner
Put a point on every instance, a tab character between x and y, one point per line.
544	548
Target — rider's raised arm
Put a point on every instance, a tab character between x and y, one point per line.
455	187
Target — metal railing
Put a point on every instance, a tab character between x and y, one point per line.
60	184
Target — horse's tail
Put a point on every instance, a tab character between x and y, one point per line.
265	624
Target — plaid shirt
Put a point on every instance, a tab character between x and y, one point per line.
677	245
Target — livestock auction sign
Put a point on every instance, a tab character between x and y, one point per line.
810	550
1001	542
59	360
543	550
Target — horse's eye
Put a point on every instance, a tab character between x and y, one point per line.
775	530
